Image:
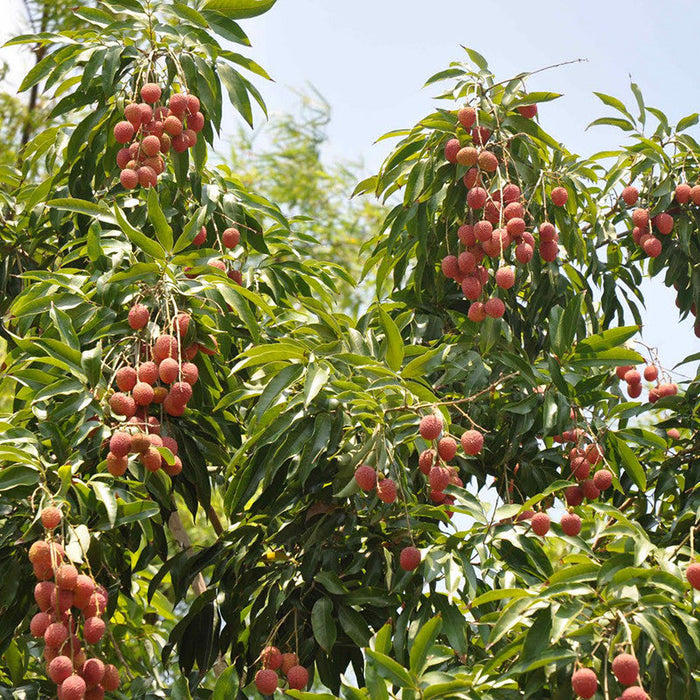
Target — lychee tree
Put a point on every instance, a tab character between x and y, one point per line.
216	484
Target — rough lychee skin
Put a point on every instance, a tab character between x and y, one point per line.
51	517
73	688
439	478
120	443
472	442
110	680
271	657
84	589
651	373
151	459
56	633
447	448
571	524
148	373
386	490
559	196
505	277
178	103
603	479
143	394
632	376
664	223
180	143
231	237
692	574
123	131
297	678
366	477
451	149
172	126
634	692
682	193
626	669
547	231
630	195
168	370
93	670
467	156
673	434
165	346
180	393
487	161
430	427
126	378
66	577
122	405
476	198
39	624
171	444
172	408
652	247
43	592
426	460
449	266
635	390
494	307
195	122
410	558
93	629
640	218
138	316
289	660
129	179
476	312
116	466
548	251
95	693
524	253
590	490
151	93
467	117
266	681
60	668
584	682
540	524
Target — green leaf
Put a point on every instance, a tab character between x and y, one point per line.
612	121
140	240
79	206
632	465
422	644
323	625
227	685
614	103
391	669
156	216
316	378
240	9
394	343
18	475
686	122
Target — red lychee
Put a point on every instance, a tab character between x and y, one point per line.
151	459
56	634
584	682
590	490
93	671
632	376
73	688
692	573
651	373
297	677
231	237
487	162
630	195
573	495
524	253
66	576
116	466
682	193
476	198
664	223
51	517
129	179
652	247
634	692
271	657
540	524
640	218
126	378
603	479
138	316
168	370
39	624
447	448
110	680
439	478
60	668
472	442
123	132
366	477
476	312
151	93
148	373
548	251
449	266
147	176
426	460
451	149
467	117
143	394
410	558
120	443
93	629
528	111
559	196
467	156
626	669
266	681
165	346
289	660
430	426
505	277
494	307
571	524
386	490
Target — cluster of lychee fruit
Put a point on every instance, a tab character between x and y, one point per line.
64	595
273	660
154	131
498	220
625	668
633	377
645	225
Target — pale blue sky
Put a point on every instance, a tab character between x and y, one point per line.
370	59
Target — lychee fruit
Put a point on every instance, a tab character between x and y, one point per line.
165	346
147	176
472	442
439	478
640	218
540	524
632	376
39	624
467	156
430	427
524	253
271	657
634	692
590	490
682	193
129	179
630	195
447	448
386	490
426	460
487	161
449	266
92	671
56	634
123	132
480	135
664	223
138	316
168	370
505	277
231	237
66	576
410	558
494	307
692	574
651	373
559	196
289	660
143	394
476	312
571	524
626	669
266	681
603	479
110	680
548	251
73	688
93	629
125	378
297	677
451	149
151	93
116	466
151	459
51	517
584	682
43	592
467	117
120	443
148	373
652	247
60	668
366	477
476	198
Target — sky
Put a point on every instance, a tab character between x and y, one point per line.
369	59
